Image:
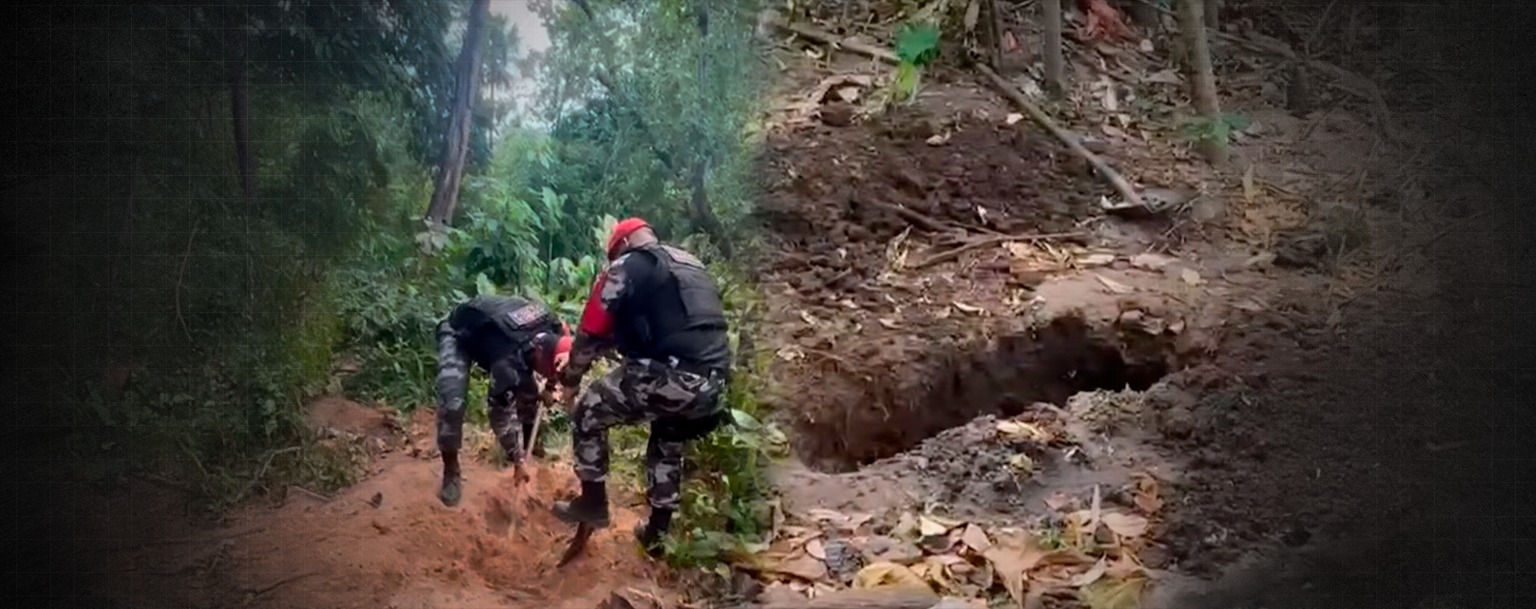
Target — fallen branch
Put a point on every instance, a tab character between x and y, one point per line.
981	243
917	219
806	31
1115	179
1039	116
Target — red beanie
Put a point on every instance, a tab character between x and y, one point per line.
622	230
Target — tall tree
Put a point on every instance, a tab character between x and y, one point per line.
1055	65
450	173
1202	78
235	21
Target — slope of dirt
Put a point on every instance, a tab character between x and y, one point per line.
1297	406
385	542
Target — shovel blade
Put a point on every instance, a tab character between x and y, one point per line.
578	544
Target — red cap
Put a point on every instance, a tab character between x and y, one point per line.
623	229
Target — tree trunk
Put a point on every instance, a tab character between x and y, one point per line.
1202	78
703	212
239	98
450	174
1055	66
1213	14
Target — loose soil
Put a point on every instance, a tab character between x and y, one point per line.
498	548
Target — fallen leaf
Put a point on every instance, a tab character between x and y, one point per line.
972	13
1151	262
1113	286
1260	259
1190	276
1098	259
800	565
1147	496
1013	117
1059	501
938	139
1011	558
976	538
1125	525
1114	594
1019	430
1250	305
1169	77
1146	45
1091	575
965	308
949	523
928	527
889	323
816	548
1113	131
906	527
1250	190
1125	567
848	94
886	574
1022	463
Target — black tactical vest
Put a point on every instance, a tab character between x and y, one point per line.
491	328
680	315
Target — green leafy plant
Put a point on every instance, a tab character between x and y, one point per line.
1219	130
917	45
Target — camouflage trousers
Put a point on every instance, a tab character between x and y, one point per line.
510	403
680	406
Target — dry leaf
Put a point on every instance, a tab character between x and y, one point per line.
1147	496
1011	558
1013	117
1059	501
1015	431
928	527
976	538
848	94
889	323
816	548
1099	259
1125	525
1260	259
1190	276
906	527
1169	77
1113	286
1151	262
965	308
972	13
1250	190
1146	45
802	566
886	574
1125	567
1021	463
1250	305
1110	593
1113	131
1092	575
938	139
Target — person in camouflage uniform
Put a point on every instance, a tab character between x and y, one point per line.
510	338
658	307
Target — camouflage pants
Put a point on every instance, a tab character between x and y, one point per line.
679	405
511	403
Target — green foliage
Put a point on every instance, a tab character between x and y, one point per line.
1220	130
917	45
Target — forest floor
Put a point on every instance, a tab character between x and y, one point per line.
1177	407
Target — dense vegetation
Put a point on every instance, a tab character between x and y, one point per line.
236	205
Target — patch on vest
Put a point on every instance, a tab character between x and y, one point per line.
681	256
525	316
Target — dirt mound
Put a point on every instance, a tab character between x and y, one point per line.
842	192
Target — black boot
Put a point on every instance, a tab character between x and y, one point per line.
591	508
650	532
453	483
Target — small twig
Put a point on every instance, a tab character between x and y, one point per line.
312	494
981	243
1103	169
263	471
827	38
917	219
280	583
181	274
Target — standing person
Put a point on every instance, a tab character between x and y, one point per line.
659	308
512	339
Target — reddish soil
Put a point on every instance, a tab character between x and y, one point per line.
498	548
